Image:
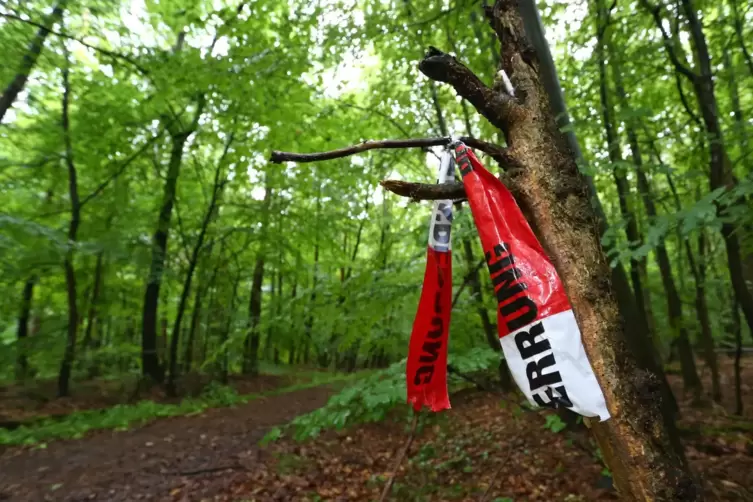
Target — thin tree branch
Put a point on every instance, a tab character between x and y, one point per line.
112	54
399	460
425	191
498	153
467	279
655	12
29	60
684	100
279	157
121	169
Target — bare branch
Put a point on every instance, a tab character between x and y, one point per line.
498	153
399	460
469	276
425	191
387	144
684	100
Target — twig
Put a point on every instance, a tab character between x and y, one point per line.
399	460
488	491
481	385
207	470
498	153
467	279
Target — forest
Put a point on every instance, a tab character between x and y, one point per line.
213	244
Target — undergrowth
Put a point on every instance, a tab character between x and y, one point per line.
370	399
123	416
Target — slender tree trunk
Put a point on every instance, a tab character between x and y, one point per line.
192	263
251	348
29	60
150	363
309	323
22	332
720	169
228	327
151	366
193	327
674	303
70	272
707	339
738	23
278	310
251	352
640	447
273	300
88	342
637	266
737	330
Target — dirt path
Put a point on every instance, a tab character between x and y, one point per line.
154	462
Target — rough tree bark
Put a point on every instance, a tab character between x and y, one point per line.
640	342
29	60
639	446
70	273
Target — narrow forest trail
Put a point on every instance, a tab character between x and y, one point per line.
151	462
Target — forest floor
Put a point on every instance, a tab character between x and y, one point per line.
485	449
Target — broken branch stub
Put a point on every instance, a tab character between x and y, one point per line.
425	191
639	446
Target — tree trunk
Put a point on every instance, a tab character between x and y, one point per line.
640	447
192	263
278	310
273	300
70	273
738	23
737	330
251	346
707	338
193	327
22	331
29	60
674	303
88	341
151	366
309	322
720	169
614	148
251	352
293	326
228	327
641	341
